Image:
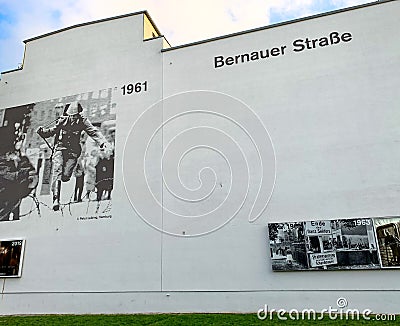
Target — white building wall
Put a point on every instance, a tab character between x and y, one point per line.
331	114
63	255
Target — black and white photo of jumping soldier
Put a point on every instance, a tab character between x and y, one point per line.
67	133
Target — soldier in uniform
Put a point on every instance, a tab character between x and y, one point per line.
67	148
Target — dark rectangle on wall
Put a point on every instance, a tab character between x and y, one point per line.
388	237
11	257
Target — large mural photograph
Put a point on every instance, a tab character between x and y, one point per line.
57	157
341	244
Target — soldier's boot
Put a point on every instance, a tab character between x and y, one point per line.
56	197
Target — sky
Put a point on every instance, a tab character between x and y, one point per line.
180	21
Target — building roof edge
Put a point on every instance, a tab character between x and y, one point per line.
377	2
142	12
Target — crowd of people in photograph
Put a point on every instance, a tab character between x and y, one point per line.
94	173
337	244
18	176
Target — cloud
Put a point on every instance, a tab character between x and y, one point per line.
181	21
28	19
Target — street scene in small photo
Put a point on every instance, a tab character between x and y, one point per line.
388	234
287	246
340	244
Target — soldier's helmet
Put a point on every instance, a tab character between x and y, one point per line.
73	108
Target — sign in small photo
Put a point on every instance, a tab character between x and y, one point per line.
323	259
318	228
